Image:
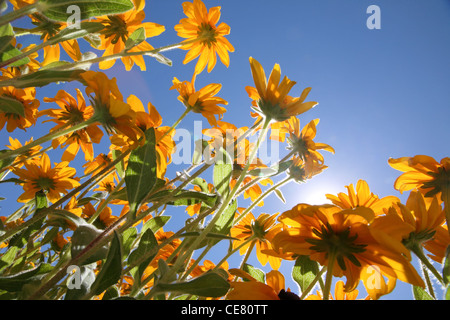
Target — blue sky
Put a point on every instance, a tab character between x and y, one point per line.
382	93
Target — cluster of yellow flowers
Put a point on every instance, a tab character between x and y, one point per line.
359	236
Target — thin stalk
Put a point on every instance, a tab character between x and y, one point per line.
446	199
423	259
261	197
313	283
176	123
120	55
329	276
247	254
48	137
428	281
223	206
230	253
105	203
16	14
42	213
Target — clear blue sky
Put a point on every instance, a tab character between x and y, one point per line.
382	93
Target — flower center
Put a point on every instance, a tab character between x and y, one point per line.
116	27
338	244
207	33
72	114
44	183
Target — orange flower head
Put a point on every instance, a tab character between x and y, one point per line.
41	176
29	156
203	38
21	120
271	99
112	112
118	29
355	240
300	141
202	101
427	217
70	113
362	197
423	173
257	231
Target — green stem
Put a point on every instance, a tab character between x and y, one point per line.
428	281
120	55
248	253
16	14
423	259
329	277
48	137
313	283
175	124
261	197
230	253
446	199
223	206
42	213
105	203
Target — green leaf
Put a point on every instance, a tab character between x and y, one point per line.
44	77
256	273
71	33
420	294
63	218
10	52
81	238
155	223
57	9
185	197
210	284
6	35
148	248
271	171
223	170
304	271
135	38
225	221
140	175
128	237
446	267
11	105
112	268
280	195
15	282
120	166
8	257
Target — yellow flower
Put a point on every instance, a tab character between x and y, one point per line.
106	218
118	29
300	141
427	218
362	197
271	99
301	170
72	112
41	176
113	113
29	156
200	25
423	173
339	293
26	97
252	289
356	240
258	232
165	144
202	101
